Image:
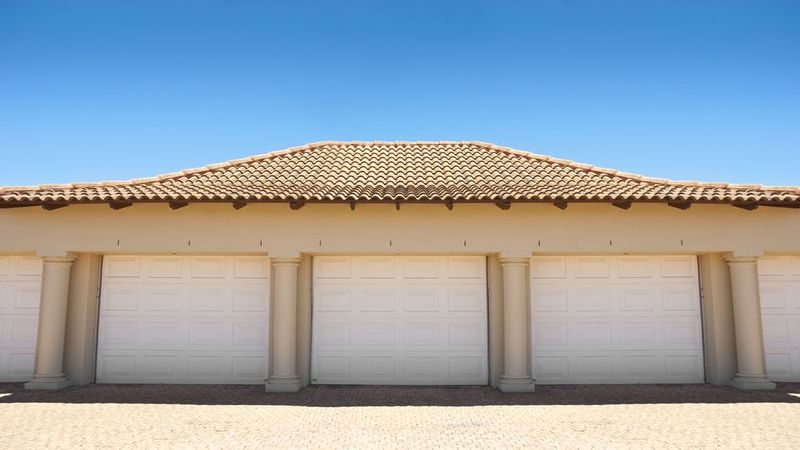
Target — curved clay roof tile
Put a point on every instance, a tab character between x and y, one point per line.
400	171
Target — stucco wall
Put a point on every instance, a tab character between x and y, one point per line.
707	230
718	331
80	341
471	228
304	283
495	290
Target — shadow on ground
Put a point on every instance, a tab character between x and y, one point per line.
329	396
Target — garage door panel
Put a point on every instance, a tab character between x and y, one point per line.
622	367
683	366
779	279
466	299
592	267
208	325
609	319
421	335
551	299
399	320
207	267
466	267
638	299
548	267
19	365
331	334
200	368
332	267
423	299
334	298
466	368
246	267
121	266
679	267
616	333
377	334
335	369
685	298
776	331
421	267
120	298
377	267
593	299
377	299
637	267
165	267
616	298
20	292
164	367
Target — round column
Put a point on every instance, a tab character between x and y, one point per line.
283	376
516	377
751	370
49	365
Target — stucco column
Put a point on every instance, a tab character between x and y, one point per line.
751	370
49	363
516	377
283	376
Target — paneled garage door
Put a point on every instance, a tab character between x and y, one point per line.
622	319
183	319
20	287
416	320
779	277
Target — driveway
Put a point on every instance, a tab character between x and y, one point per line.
367	417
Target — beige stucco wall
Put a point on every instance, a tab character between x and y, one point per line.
81	333
718	331
474	228
304	283
495	287
707	230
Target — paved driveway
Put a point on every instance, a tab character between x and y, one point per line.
337	417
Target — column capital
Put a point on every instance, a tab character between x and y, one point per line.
513	260
58	259
284	261
741	259
55	254
745	253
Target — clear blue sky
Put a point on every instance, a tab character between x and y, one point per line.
120	89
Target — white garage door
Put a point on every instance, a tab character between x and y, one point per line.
183	319
20	287
416	320
621	319
779	277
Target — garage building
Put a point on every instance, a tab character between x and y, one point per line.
400	263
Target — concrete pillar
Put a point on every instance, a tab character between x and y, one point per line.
516	376
751	370
283	376
49	365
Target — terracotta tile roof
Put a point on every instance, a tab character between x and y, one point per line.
399	172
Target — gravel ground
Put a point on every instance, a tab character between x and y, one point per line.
390	417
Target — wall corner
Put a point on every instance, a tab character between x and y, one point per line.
718	328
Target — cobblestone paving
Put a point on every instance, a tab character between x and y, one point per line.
363	417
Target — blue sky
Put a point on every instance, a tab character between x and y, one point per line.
121	89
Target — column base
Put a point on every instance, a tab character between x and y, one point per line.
509	384
749	383
47	383
283	384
